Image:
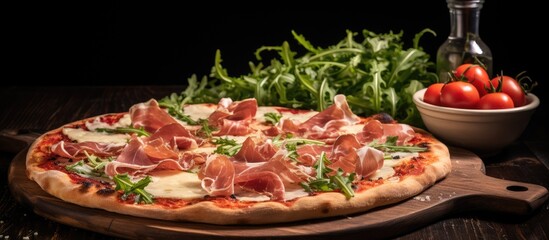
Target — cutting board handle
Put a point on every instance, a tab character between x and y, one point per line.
498	195
14	141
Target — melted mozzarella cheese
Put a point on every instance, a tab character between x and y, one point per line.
289	194
384	172
351	129
79	135
176	184
297	192
207	150
198	111
299	117
125	121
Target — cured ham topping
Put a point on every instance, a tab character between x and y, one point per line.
234	128
266	182
177	136
142	155
150	116
252	152
162	150
344	154
218	175
308	154
350	156
279	164
76	150
340	110
325	124
369	161
374	129
233	118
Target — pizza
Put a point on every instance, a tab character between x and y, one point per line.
235	162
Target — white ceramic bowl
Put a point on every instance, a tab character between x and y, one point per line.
485	132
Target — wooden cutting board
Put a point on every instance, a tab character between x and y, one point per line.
466	188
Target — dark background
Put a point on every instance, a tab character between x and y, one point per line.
134	43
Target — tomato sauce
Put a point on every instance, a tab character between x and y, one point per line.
111	118
411	167
365	185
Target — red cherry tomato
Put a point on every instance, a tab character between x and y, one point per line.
512	87
474	74
432	94
459	94
495	100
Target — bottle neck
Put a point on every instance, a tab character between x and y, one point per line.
464	21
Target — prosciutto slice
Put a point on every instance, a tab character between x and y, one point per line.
374	129
233	118
177	136
267	183
218	176
76	150
232	127
344	154
350	156
139	158
338	114
221	174
150	116
252	152
142	155
286	170
308	154
325	124
369	161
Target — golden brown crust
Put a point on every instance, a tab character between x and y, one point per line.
321	205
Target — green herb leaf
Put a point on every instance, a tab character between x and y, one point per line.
226	146
174	105
92	166
273	117
139	131
344	183
390	145
124	183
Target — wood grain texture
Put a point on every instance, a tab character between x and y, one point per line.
465	188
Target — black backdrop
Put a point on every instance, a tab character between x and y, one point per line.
130	43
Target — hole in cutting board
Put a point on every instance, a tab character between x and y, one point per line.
517	188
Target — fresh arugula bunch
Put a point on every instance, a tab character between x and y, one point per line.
376	73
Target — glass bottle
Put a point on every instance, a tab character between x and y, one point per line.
464	44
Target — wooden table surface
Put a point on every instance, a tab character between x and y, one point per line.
44	108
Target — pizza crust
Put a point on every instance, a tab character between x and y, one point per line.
321	205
